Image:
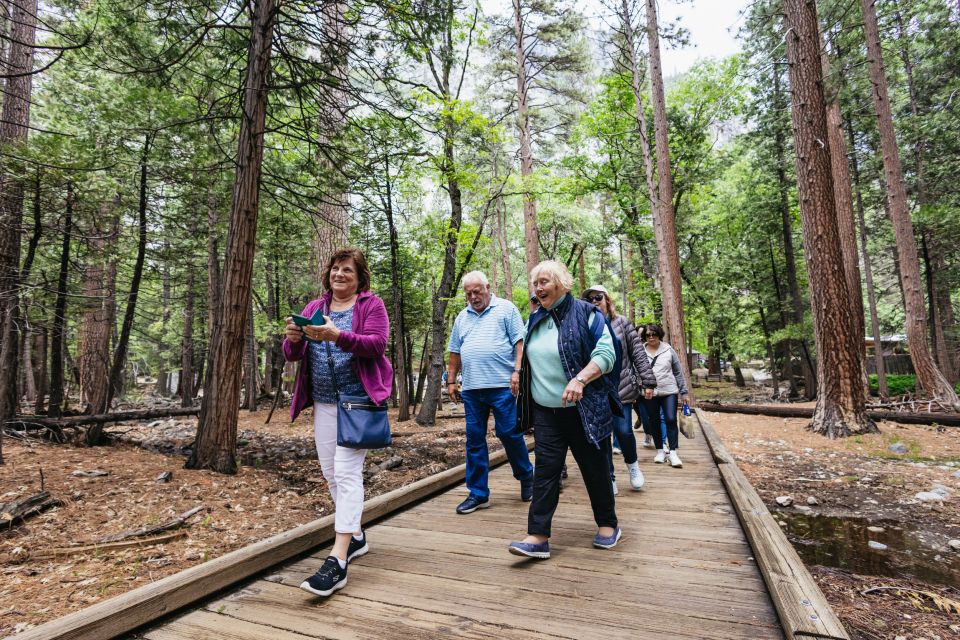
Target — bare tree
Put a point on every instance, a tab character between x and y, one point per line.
929	376
841	405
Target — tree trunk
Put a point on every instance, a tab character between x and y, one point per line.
664	216
163	377
531	232
786	220
213	277
843	197
929	376
333	211
14	125
59	315
123	342
250	365
215	446
96	322
29	377
40	407
841	406
438	320
396	293
501	213
186	345
878	362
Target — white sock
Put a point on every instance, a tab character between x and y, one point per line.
358	538
343	563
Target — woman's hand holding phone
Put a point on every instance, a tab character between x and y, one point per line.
316	329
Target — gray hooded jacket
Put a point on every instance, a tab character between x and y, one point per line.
636	374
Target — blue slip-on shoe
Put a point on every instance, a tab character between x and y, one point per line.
526	490
530	550
357	548
472	503
607	542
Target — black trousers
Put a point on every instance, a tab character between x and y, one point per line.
555	431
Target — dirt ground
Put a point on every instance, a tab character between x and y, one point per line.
857	483
279	486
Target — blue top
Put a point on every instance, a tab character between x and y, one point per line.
486	343
320	372
548	377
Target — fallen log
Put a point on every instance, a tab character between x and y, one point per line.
23	508
109	546
150	530
942	419
32	423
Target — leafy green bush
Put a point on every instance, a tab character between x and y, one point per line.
898	384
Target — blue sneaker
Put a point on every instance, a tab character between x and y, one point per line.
357	548
526	490
328	578
601	542
530	550
472	503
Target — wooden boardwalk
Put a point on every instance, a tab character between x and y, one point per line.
683	570
701	558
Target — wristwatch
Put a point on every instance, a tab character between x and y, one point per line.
581	380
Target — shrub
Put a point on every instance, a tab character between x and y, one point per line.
899	384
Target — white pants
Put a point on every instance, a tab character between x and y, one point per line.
342	469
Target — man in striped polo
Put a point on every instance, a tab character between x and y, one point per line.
487	342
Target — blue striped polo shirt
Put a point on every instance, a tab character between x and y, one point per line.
485	342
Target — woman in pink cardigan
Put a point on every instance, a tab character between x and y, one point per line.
357	329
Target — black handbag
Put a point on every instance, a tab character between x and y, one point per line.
361	424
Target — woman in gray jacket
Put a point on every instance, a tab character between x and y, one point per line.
670	384
636	381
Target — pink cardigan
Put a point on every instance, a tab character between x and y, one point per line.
367	342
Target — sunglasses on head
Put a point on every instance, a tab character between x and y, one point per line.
597	297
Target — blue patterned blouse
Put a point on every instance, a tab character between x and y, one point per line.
320	371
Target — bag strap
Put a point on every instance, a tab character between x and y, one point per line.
333	376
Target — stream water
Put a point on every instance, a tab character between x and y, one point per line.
845	543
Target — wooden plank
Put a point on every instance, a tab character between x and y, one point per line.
779	411
803	610
149	602
205	625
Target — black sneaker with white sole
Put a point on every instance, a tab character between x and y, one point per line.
357	547
328	578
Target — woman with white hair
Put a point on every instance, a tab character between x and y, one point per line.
570	403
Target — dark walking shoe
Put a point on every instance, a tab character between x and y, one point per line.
530	550
471	504
357	547
526	490
328	578
607	542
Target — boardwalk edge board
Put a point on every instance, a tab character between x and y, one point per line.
801	606
146	604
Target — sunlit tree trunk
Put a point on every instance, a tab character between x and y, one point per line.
841	405
215	446
929	376
57	347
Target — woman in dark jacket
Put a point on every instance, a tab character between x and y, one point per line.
636	380
570	403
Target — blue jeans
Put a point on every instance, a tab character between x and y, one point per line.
668	406
477	404
623	432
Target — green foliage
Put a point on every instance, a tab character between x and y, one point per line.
898	384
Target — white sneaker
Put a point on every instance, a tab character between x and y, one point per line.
660	457
648	441
616	491
636	476
675	460
617	451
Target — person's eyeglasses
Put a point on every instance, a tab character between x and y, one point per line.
595	298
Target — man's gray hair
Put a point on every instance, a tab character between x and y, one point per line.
476	276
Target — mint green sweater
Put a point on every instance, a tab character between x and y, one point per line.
547	377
